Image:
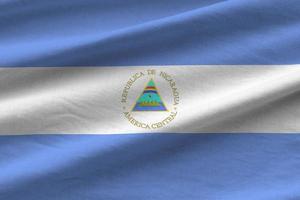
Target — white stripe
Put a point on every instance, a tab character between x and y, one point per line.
218	98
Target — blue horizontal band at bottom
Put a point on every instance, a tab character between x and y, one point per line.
150	166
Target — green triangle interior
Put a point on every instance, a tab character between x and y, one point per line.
150	99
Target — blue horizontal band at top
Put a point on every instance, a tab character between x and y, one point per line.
129	33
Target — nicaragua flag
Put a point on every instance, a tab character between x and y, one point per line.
149	100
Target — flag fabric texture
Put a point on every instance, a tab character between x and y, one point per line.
162	99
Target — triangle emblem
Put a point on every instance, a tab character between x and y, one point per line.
149	100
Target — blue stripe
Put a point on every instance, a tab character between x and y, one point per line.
150	166
142	32
150	91
160	107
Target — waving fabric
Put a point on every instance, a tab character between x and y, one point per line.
162	99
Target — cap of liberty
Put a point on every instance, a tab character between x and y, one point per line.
149	100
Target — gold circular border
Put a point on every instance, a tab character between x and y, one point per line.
175	94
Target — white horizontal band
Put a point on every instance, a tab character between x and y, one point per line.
99	100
